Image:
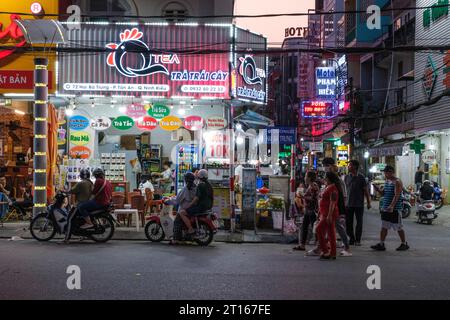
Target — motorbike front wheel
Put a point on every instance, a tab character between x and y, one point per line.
42	228
106	222
204	234
154	232
438	203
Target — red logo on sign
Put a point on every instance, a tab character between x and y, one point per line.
13	32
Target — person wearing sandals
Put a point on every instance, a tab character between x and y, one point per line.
311	204
328	214
183	200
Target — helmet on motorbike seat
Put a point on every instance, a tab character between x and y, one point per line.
189	177
427	182
85	174
98	173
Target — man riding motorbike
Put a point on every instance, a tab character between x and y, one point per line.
426	191
202	202
101	197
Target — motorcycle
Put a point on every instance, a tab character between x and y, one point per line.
426	211
437	196
159	228
46	225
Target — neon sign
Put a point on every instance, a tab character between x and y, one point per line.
317	109
13	32
130	42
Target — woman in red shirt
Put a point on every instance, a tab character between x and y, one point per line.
329	206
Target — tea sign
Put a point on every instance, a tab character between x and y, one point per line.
123	123
158	111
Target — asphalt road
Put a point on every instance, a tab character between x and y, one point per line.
142	270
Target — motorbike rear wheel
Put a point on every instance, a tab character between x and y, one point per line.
105	221
42	228
154	232
438	203
204	234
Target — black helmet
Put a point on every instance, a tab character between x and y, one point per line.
98	173
85	174
189	177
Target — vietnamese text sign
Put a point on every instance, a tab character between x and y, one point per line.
325	82
317	109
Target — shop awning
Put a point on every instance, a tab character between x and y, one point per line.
394	148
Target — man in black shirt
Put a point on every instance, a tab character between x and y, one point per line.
418	178
203	200
426	191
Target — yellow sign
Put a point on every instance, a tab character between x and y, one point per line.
79	138
170	123
342	156
16	68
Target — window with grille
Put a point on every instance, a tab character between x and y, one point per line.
174	12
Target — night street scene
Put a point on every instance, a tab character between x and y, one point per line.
225	156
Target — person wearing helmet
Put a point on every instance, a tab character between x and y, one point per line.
202	202
426	191
101	197
83	189
184	198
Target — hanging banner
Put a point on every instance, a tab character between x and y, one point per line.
170	123
136	110
147	123
123	123
193	123
100	123
158	111
78	123
79	138
216	123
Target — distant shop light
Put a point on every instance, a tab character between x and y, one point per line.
238	126
182	112
182	102
122	109
69	112
239	140
18	95
366	155
93	96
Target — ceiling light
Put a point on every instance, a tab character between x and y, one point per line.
122	109
69	112
181	112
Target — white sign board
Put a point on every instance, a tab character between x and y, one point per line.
429	157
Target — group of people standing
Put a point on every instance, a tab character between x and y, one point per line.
332	204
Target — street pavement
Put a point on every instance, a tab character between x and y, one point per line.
143	270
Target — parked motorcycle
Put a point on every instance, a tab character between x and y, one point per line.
159	228
46	225
437	196
426	211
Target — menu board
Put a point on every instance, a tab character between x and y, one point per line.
248	197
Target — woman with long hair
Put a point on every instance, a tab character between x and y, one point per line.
331	201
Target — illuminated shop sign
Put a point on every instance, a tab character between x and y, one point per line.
252	87
317	109
325	82
131	64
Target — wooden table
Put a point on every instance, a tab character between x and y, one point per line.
130	212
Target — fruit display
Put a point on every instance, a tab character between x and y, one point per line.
263	204
276	203
263	190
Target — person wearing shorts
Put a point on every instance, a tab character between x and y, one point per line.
391	210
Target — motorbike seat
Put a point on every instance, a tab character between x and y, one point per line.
101	210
